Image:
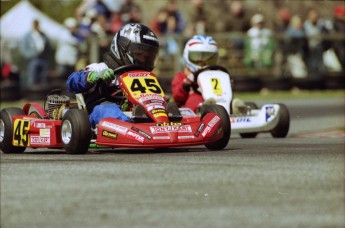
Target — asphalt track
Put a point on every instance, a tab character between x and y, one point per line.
264	182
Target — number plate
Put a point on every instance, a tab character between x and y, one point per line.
216	86
21	133
140	85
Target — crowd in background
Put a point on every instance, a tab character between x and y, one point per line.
304	52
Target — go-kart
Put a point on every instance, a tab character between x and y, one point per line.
154	122
247	119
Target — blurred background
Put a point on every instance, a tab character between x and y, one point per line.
266	45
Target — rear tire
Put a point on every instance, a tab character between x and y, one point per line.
282	128
76	131
6	130
224	116
252	105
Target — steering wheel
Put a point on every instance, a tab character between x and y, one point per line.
213	67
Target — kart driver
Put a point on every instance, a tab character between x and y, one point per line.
133	44
199	52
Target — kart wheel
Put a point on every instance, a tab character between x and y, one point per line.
282	128
252	105
226	125
6	130
76	131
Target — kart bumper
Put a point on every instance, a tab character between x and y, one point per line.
261	120
190	131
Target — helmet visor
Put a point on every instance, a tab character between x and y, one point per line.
144	54
203	58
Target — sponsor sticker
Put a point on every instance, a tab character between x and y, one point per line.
200	128
109	134
164	129
39	140
186	137
115	127
40	125
207	130
158	112
135	136
147	97
45	132
240	120
161	137
270	112
214	121
138	74
143	133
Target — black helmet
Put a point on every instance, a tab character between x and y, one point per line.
135	44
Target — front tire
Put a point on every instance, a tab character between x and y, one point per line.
282	128
224	116
6	130
76	131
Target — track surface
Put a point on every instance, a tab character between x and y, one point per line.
264	182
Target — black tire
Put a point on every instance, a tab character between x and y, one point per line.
252	105
6	129
76	131
282	128
226	125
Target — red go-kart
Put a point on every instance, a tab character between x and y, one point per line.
154	122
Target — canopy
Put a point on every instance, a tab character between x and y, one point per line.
17	22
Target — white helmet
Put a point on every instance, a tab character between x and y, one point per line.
200	51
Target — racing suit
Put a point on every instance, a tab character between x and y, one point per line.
183	95
97	97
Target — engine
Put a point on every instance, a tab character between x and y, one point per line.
56	106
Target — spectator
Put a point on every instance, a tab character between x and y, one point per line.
37	50
131	12
198	19
169	22
101	29
314	27
259	45
238	20
339	29
296	48
115	22
67	51
283	20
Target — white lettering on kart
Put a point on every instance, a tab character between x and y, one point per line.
164	129
207	130
147	97
136	136
39	139
240	120
138	74
115	127
214	121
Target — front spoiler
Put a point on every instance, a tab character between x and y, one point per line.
190	131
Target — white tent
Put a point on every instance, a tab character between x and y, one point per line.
15	23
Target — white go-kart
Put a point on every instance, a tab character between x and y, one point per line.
246	118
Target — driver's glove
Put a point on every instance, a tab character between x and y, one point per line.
107	75
188	82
